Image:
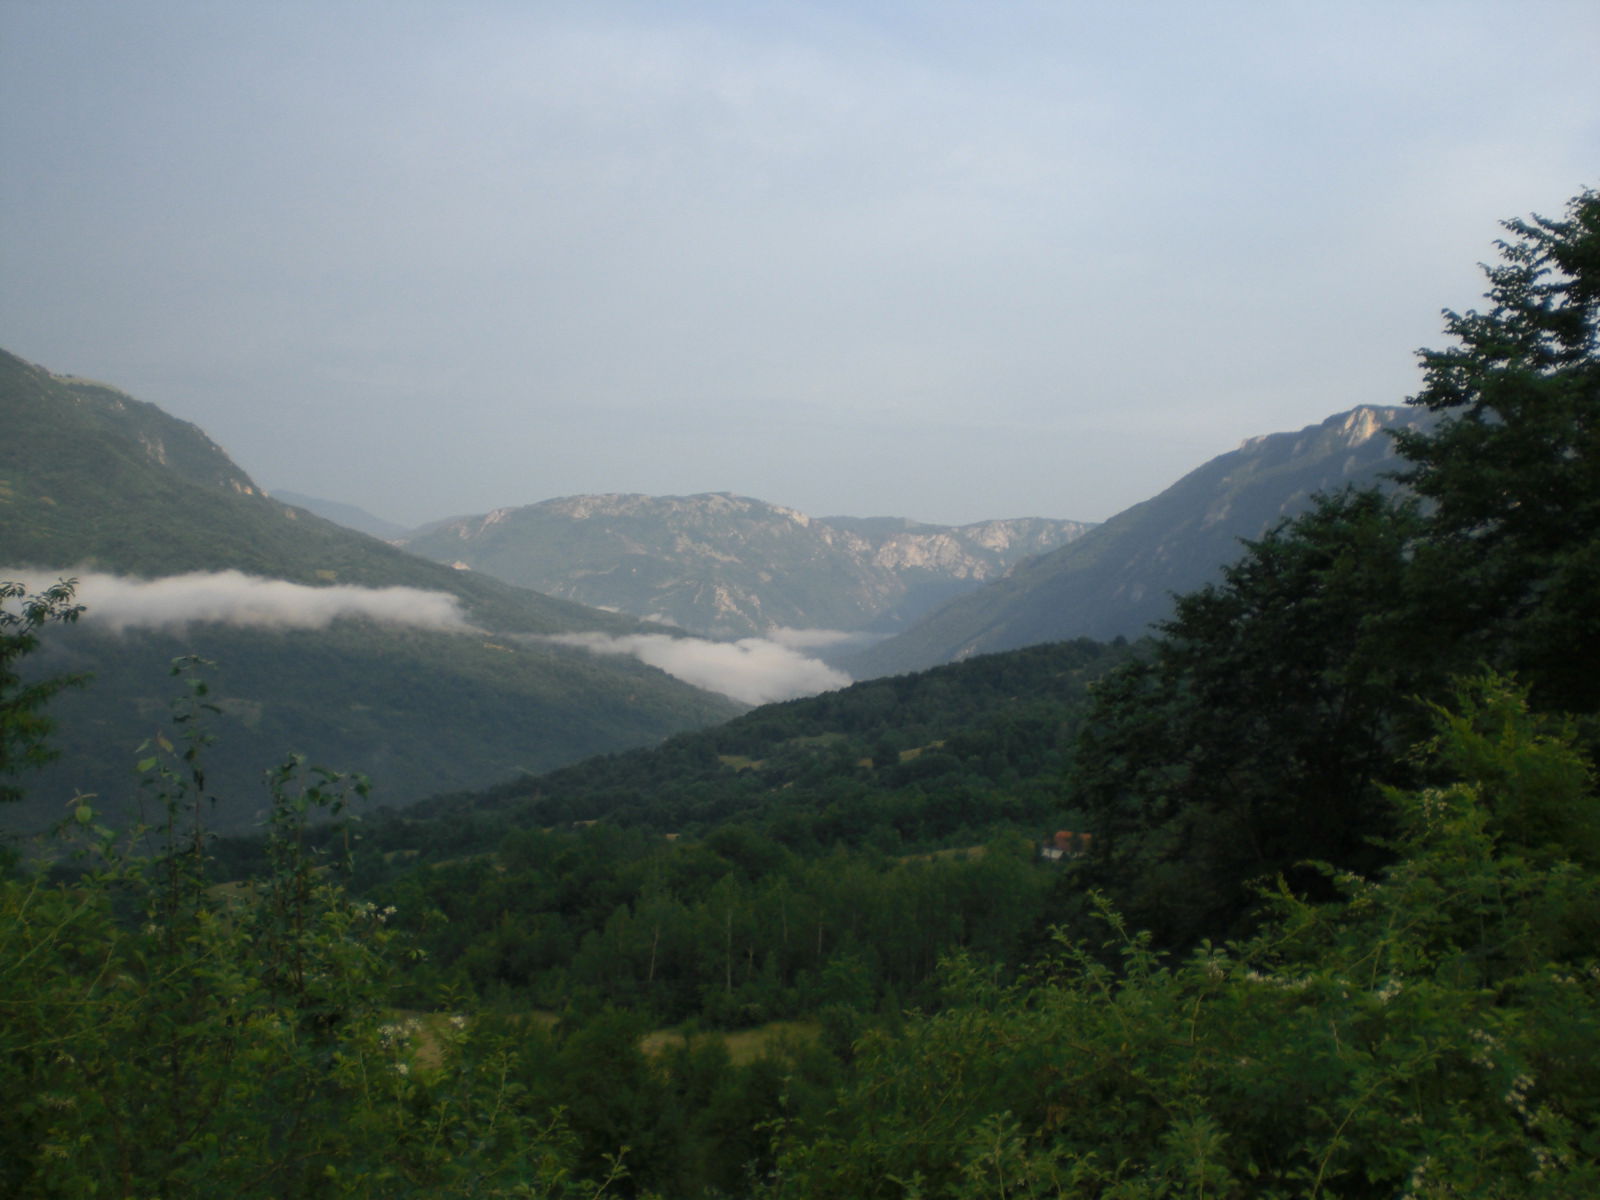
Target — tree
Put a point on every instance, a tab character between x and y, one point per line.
1272	700
161	1035
1428	1031
1512	469
23	724
1249	739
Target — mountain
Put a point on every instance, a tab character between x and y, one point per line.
348	515
937	754
1120	577
92	480
730	566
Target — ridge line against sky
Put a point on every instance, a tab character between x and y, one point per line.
949	261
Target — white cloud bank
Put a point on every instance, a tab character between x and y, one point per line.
753	670
234	598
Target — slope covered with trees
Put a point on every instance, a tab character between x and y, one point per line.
946	736
94	480
816	855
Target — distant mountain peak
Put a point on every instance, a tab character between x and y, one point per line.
348	515
1358	425
1121	576
728	565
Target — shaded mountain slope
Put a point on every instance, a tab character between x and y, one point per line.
93	480
1120	576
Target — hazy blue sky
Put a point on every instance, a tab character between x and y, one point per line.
941	260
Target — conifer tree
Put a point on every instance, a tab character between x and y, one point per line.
1512	469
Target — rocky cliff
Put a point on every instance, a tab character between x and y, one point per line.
726	565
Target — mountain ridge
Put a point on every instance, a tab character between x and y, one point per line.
1119	578
351	516
726	565
94	480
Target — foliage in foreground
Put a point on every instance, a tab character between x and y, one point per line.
161	1036
24	726
1432	1032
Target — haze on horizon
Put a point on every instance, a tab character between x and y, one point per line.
950	261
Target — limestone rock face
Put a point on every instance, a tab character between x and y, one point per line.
732	566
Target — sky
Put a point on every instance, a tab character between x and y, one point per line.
949	261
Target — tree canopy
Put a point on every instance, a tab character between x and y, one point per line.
1511	471
24	726
1275	700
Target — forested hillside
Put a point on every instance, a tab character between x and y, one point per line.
957	729
93	480
1332	932
728	874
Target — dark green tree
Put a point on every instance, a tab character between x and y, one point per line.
1251	736
23	723
1512	469
1428	1031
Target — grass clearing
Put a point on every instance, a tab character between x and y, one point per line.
745	1046
967	852
425	1034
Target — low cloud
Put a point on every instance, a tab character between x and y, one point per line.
233	598
754	670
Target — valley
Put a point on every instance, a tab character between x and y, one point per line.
1315	727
